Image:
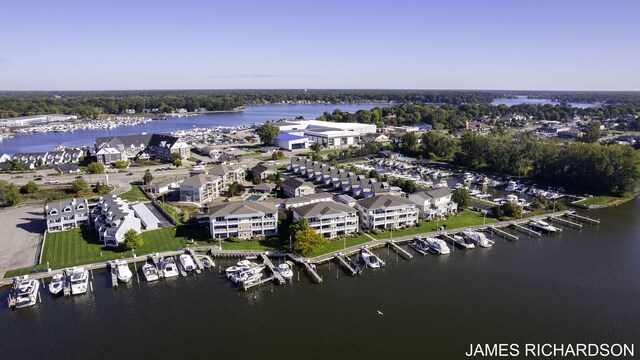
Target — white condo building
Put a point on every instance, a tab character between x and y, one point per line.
331	219
243	220
386	212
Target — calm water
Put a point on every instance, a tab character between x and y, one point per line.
579	286
524	100
253	114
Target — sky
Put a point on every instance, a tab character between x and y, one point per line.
391	44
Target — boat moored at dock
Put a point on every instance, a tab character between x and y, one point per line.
79	278
168	267
122	271
437	246
419	245
285	270
57	284
477	238
24	292
371	260
544	226
150	272
187	262
461	242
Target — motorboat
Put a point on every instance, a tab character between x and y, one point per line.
122	271
57	284
437	246
544	226
241	265
250	279
370	260
419	245
511	186
24	292
150	272
461	242
241	277
285	271
79	277
477	238
207	262
169	268
187	262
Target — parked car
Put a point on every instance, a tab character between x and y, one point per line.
129	174
37	179
51	181
79	177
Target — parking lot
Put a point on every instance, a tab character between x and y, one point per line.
21	228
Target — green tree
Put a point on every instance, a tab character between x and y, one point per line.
268	133
121	164
176	159
30	188
235	189
462	197
591	132
316	147
9	194
80	186
308	240
95	168
16	164
132	239
147	178
100	188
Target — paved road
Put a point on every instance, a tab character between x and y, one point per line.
21	228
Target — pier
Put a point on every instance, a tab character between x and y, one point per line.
366	250
449	239
276	275
502	233
348	264
114	275
582	218
525	230
311	270
246	286
199	266
566	222
66	284
402	252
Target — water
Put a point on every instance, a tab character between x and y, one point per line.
525	100
580	286
253	114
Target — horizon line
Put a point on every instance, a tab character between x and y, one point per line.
310	89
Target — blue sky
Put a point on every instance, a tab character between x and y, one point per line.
401	44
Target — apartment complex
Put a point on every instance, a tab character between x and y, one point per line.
66	214
117	148
386	212
205	186
243	220
113	217
434	202
331	219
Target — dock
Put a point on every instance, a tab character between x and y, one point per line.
66	285
566	222
311	270
582	218
502	233
366	249
276	275
348	264
199	266
402	252
246	286
114	275
181	269
449	239
525	230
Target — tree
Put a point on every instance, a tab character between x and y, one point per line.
308	240
591	132
462	197
235	189
80	186
277	155
9	194
132	239
268	133
16	164
147	178
121	164
176	159
316	147
95	168
30	188
101	188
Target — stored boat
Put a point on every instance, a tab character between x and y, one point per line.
122	271
419	245
544	226
477	238
461	242
57	284
79	280
437	246
24	292
285	271
243	265
370	260
187	262
150	272
169	268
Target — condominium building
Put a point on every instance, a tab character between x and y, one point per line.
201	188
434	202
243	220
331	219
66	214
386	212
292	187
113	217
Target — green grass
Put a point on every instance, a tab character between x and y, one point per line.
464	219
270	243
80	246
597	200
135	194
340	244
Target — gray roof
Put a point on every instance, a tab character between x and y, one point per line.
241	208
435	193
223	169
383	201
263	187
380	187
294	183
323	208
260	168
199	180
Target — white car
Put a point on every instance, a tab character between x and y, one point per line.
51	181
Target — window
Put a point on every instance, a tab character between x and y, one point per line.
80	207
67	209
53	212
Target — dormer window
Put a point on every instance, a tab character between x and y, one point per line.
67	209
80	207
53	212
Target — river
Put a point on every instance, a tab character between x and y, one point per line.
253	114
581	286
518	100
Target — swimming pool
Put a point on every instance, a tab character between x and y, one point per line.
253	197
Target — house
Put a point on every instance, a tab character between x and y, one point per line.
5	158
386	154
113	217
292	187
262	171
164	186
117	148
201	188
434	202
68	169
228	173
386	212
243	220
330	219
66	214
263	188
295	202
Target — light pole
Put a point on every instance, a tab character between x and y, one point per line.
290	243
484	217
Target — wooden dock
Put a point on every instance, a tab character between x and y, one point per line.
566	222
181	269
502	233
276	275
402	252
114	275
348	264
582	218
525	230
246	286
312	271
66	285
199	266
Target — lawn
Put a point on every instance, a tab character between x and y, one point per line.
597	200
135	194
80	246
271	243
464	219
340	244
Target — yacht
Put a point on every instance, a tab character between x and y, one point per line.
79	280
442	183
122	271
477	238
187	262
438	246
169	268
57	284
371	260
461	242
419	245
150	272
285	271
511	186
251	279
544	226
246	276
243	265
24	292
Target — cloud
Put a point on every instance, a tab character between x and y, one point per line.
248	76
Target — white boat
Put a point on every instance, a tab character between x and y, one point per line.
370	260
478	238
511	186
187	262
251	279
285	271
419	245
207	262
437	246
460	241
442	183
242	265
242	277
57	284
169	268
24	292
79	278
150	272
544	226
122	271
